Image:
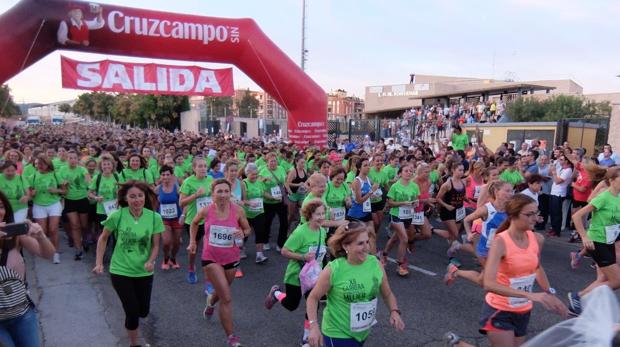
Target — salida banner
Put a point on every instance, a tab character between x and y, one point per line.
32	29
114	76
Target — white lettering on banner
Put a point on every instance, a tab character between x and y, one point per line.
91	78
310	124
119	23
181	80
116	74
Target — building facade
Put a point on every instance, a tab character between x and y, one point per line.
342	106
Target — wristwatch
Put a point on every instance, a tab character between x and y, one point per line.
551	290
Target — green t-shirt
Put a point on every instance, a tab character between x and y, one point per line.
141	174
190	186
254	191
59	164
459	142
41	183
260	163
390	172
350	177
335	197
513	177
240	155
14	190
179	171
607	214
350	284
187	164
433	176
108	186
133	240
286	165
271	182
28	171
399	193
377	177
77	188
303	240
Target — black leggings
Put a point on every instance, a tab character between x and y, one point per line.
258	225
281	210
135	295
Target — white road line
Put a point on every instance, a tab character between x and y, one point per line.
414	268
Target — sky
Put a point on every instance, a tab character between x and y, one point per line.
357	43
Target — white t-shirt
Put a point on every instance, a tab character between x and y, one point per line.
560	189
531	194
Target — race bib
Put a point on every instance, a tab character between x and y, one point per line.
366	206
378	193
460	214
477	192
405	212
490	236
525	283
168	211
418	218
302	189
611	233
322	252
276	193
203	202
363	315
221	236
255	205
110	206
338	213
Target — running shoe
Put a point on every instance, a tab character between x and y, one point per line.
278	249
453	249
574	260
173	264
261	259
266	247
234	341
56	259
238	273
451	339
208	288
455	261
410	247
191	277
402	270
207	313
574	303
270	299
383	258
552	233
165	265
574	237
78	256
450	275
242	253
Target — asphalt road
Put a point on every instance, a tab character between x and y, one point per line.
429	308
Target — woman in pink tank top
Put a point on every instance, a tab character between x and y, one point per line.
473	185
512	267
225	228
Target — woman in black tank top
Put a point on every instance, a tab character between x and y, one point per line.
450	198
296	185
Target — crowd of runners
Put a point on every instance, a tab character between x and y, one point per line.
137	196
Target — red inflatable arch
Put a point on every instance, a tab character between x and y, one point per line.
34	28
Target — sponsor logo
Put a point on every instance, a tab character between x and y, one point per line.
120	23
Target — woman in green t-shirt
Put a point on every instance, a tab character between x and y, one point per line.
253	195
306	243
12	185
102	190
46	192
137	230
75	179
602	237
337	196
137	170
352	283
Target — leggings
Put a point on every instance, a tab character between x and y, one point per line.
336	342
135	295
281	210
258	225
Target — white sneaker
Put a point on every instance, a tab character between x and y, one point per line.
266	247
242	254
56	259
278	249
260	259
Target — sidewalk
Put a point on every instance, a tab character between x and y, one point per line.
70	300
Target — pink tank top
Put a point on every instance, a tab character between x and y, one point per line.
219	241
472	191
517	270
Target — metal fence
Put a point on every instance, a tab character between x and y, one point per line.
357	129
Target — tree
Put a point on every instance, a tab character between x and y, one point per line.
84	105
64	108
248	105
219	106
526	109
7	106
